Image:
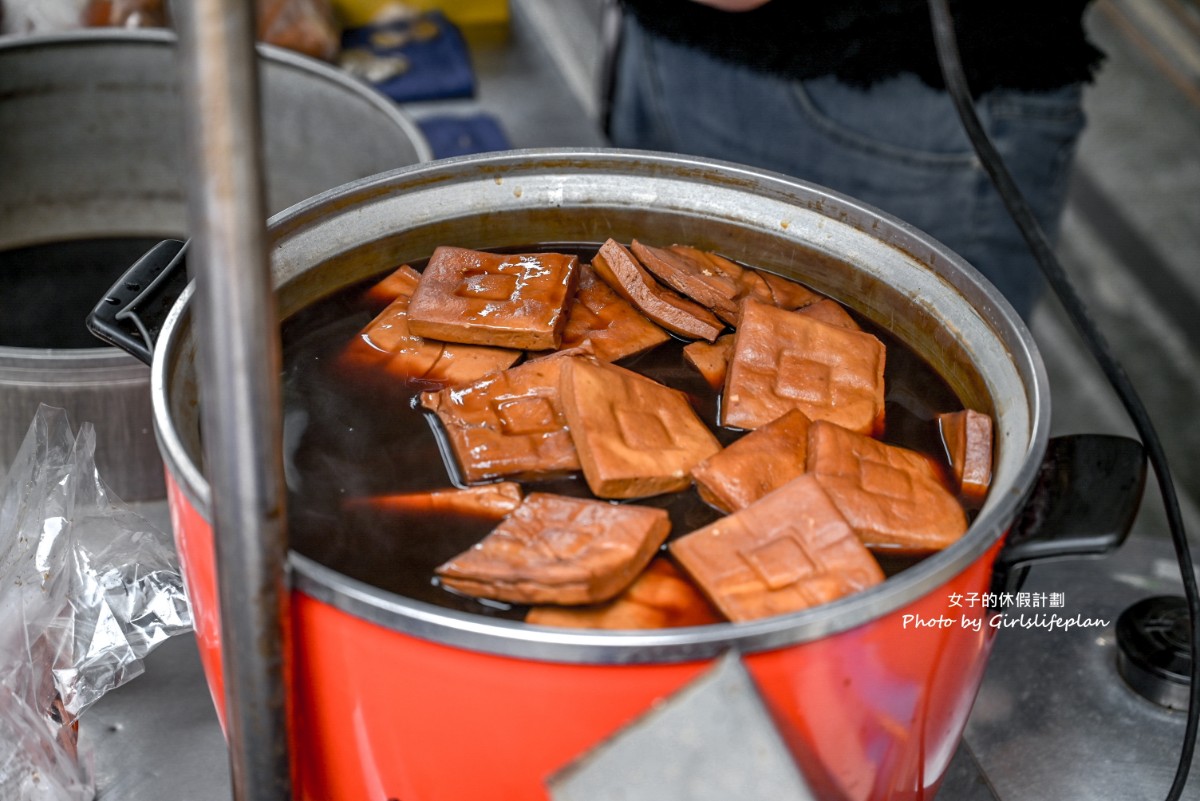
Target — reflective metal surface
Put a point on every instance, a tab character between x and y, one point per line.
238	334
1055	721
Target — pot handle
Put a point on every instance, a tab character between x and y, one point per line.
1083	503
132	312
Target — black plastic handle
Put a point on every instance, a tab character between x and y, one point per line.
1083	503
131	315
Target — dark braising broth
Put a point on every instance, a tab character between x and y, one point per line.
354	439
50	289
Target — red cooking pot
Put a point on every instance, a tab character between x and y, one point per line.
398	699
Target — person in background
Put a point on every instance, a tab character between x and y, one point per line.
849	95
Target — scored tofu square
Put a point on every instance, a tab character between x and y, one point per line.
601	318
789	551
661	597
783	360
762	461
893	497
388	344
511	301
560	550
635	437
508	423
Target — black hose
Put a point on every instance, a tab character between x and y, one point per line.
956	85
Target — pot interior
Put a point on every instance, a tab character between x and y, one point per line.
885	270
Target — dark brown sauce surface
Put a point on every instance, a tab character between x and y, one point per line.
348	439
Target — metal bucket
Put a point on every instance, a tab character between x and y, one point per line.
91	147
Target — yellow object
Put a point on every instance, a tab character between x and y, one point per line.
475	18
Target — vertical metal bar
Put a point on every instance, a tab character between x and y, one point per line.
239	369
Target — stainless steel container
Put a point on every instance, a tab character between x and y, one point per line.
91	146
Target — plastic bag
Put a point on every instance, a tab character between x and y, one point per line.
87	589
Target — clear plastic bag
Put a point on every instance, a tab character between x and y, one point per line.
87	589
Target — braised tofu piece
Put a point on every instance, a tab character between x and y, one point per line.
510	301
620	270
488	501
758	463
718	283
789	551
691	273
711	360
894	498
661	597
967	436
608	323
388	344
831	312
783	360
559	550
508	424
787	294
391	286
635	437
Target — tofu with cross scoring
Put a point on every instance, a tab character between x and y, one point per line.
506	300
508	424
635	437
388	345
559	550
784	360
789	551
894	498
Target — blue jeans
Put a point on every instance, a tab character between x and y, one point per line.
897	145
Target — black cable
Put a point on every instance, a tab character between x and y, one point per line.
956	85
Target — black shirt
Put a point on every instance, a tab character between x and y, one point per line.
1017	44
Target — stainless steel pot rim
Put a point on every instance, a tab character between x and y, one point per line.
85	358
48	367
520	640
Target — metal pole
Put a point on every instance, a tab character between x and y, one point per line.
240	397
